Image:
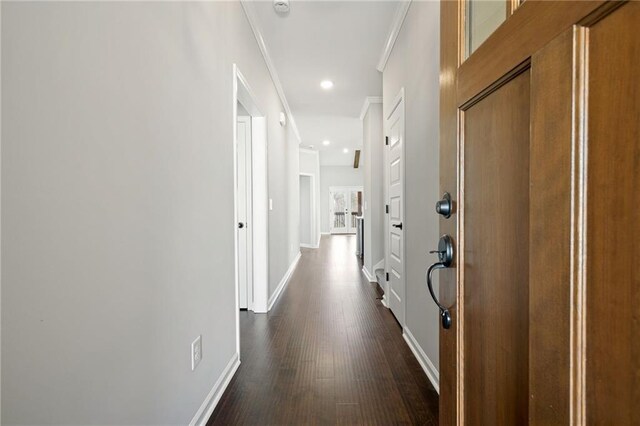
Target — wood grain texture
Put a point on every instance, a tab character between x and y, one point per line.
328	353
533	24
551	220
496	256
613	220
450	55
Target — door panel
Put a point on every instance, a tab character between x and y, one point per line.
244	209
554	146
540	150
496	257
613	220
395	251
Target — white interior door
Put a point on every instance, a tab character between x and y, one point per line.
395	239
244	206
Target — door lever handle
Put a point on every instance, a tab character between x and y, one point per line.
444	207
397	225
445	257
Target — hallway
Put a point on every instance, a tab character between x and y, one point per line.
328	353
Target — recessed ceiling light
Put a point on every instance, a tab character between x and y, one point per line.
326	84
325	143
345	150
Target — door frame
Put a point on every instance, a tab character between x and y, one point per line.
248	229
243	94
342	188
314	213
398	102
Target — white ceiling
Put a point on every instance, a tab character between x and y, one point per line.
342	131
339	41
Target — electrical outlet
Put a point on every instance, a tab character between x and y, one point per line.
196	352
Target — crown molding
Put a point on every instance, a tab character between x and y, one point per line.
253	22
394	30
367	103
309	151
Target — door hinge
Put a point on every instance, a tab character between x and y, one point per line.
386	208
387	276
386	140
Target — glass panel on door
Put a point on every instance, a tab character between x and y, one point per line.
356	200
338	212
345	204
482	17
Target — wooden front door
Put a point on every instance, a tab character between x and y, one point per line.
540	149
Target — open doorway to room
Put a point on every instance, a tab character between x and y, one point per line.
345	205
307	211
251	204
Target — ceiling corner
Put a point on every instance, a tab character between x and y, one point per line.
255	27
394	30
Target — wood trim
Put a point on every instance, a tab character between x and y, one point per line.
257	32
427	365
516	40
368	101
215	394
284	281
451	359
394	31
512	5
556	268
579	229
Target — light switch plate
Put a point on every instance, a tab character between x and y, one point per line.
196	352
270	203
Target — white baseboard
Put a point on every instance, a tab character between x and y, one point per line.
319	238
212	399
384	300
311	246
367	274
325	233
283	282
426	364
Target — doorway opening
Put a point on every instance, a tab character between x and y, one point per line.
250	201
345	206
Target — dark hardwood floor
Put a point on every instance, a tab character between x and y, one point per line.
327	353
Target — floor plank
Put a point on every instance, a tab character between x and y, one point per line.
327	353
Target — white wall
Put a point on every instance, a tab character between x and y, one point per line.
284	191
310	164
373	166
414	65
117	206
335	176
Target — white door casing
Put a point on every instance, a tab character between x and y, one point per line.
258	203
395	227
